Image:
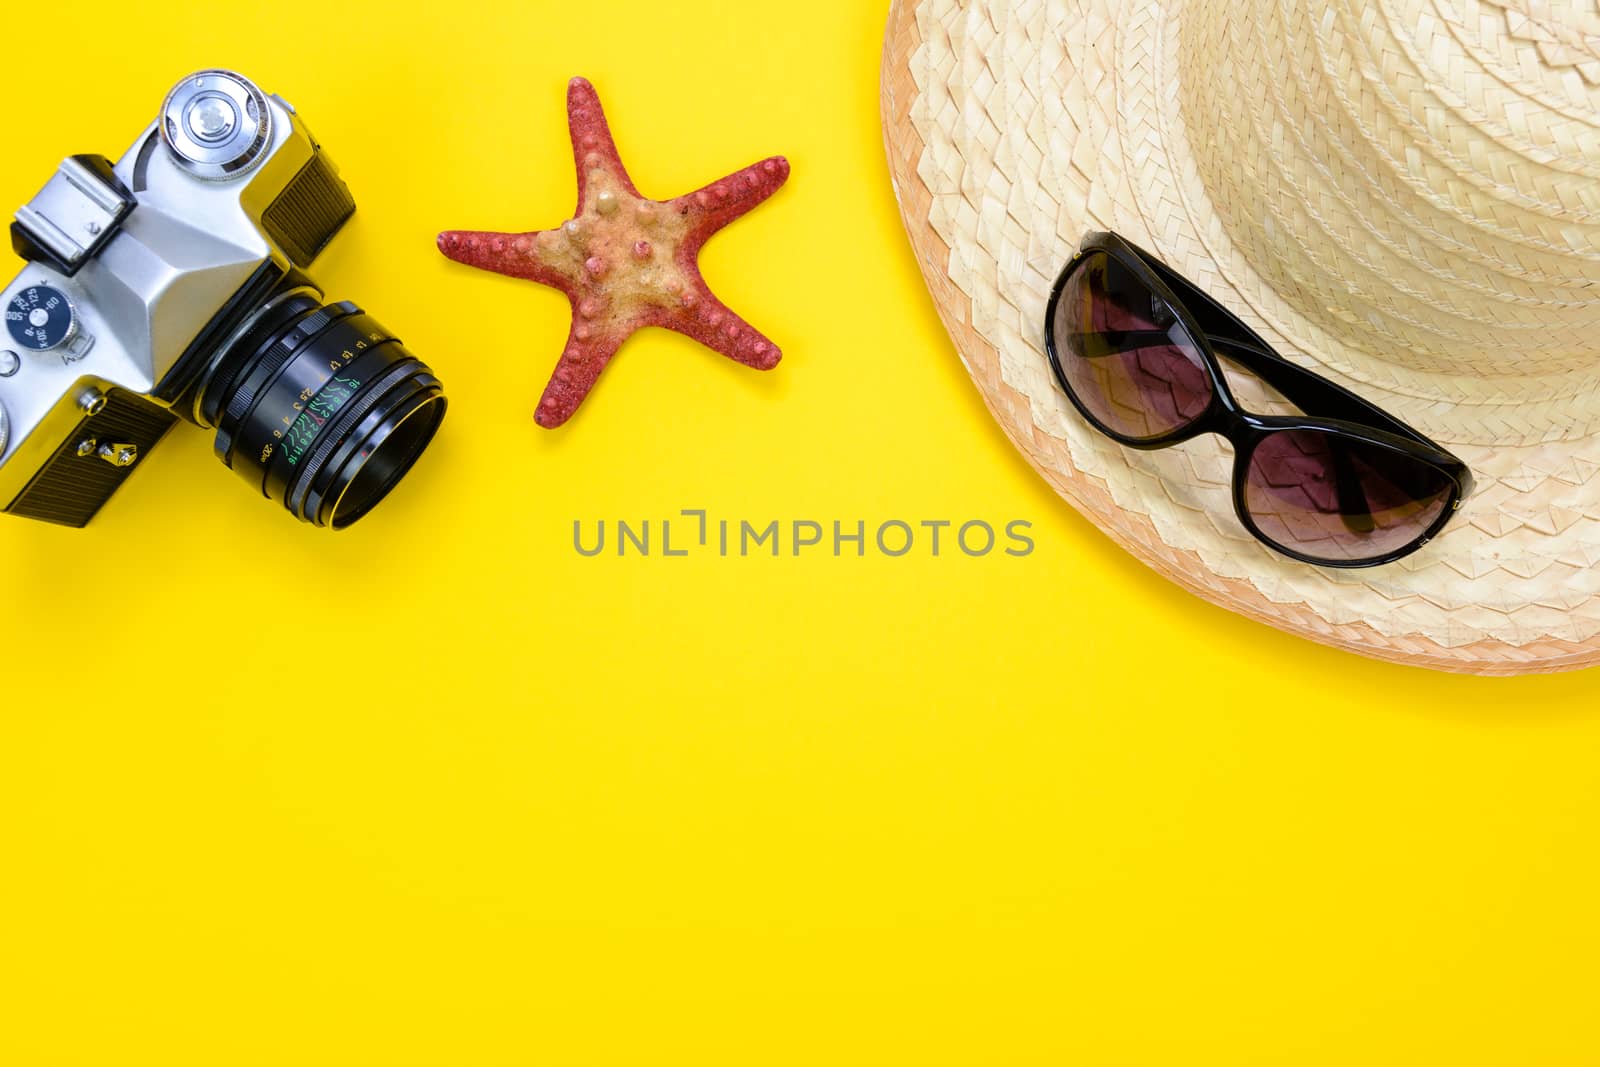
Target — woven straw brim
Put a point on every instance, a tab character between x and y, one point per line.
1008	139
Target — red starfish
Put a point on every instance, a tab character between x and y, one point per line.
624	261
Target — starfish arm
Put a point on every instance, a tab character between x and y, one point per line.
593	147
713	324
585	356
514	254
713	207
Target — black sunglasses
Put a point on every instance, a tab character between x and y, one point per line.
1135	347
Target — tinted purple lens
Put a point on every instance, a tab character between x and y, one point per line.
1335	498
1124	354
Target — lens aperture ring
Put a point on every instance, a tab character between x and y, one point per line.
284	385
303	332
322	418
308	328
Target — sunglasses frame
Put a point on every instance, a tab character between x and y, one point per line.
1209	325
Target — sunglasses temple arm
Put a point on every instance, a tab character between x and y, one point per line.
1352	496
1355	510
1307	390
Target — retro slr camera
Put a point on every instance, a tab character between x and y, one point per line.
171	285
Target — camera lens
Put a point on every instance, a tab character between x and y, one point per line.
321	408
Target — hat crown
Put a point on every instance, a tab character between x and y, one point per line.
1421	178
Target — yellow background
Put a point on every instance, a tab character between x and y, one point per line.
440	791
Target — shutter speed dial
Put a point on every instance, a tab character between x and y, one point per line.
40	318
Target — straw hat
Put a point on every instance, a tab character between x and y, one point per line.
1403	195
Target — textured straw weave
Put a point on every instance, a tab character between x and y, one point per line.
1402	194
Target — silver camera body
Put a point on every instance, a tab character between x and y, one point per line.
144	275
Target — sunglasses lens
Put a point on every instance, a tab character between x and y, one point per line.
1337	499
1124	354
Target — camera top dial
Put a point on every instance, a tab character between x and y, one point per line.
216	125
